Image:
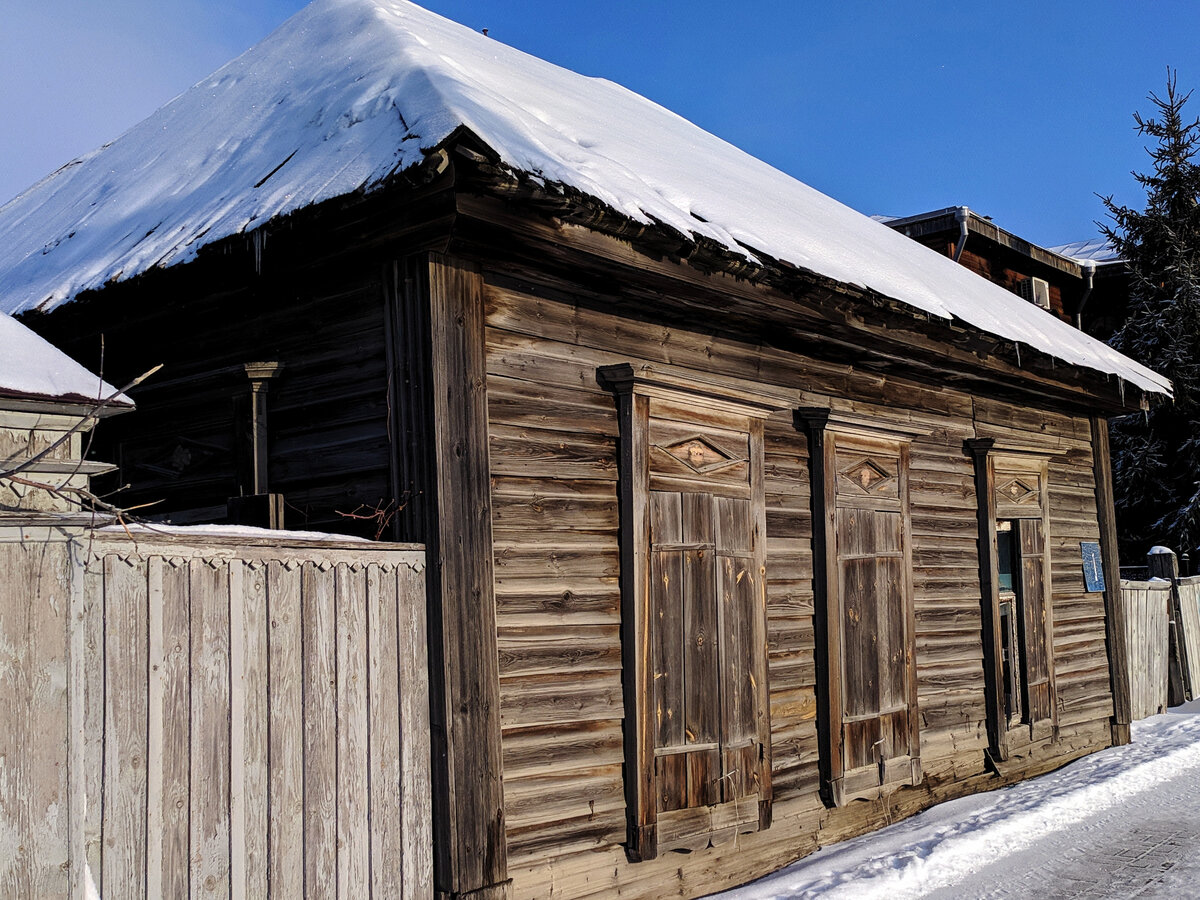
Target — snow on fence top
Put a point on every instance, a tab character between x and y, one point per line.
33	368
348	92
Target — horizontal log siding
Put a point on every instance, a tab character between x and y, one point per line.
553	461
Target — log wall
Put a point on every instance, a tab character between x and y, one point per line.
188	448
553	434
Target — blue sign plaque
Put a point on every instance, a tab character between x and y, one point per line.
1093	565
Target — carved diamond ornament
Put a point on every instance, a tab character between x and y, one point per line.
1017	491
698	454
866	475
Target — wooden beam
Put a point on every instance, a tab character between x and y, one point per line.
989	580
469	839
1118	655
828	641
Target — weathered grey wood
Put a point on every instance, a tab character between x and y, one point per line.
34	604
175	800
78	639
353	826
252	636
209	838
386	789
465	664
286	661
152	732
1165	565
126	639
1188	597
320	729
155	690
416	832
1147	606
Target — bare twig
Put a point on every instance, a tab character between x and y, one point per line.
381	514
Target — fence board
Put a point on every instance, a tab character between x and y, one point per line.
1146	605
353	829
209	585
126	637
1189	606
286	727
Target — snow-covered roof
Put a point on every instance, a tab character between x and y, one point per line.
348	92
1097	250
32	368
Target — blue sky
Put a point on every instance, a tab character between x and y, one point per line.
1020	110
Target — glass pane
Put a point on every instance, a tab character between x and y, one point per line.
1004	556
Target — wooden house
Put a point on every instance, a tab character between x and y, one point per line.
48	405
752	525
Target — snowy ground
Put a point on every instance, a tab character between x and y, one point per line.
1121	823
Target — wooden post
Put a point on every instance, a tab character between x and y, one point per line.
813	423
1114	607
469	838
1162	563
989	585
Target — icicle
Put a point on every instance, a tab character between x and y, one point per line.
1017	347
259	237
1121	388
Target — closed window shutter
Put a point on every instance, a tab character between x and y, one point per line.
875	714
707	749
1036	655
741	751
686	651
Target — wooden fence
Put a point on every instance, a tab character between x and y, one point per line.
1147	605
213	716
1189	628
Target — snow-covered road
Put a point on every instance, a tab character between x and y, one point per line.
1121	823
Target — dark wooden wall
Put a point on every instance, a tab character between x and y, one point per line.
188	446
553	434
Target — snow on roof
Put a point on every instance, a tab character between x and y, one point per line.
33	368
1097	250
348	92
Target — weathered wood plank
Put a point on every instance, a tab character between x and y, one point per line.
286	659
126	679
320	728
353	831
467	716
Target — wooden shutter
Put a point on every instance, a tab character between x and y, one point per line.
693	610
686	653
879	741
708	747
741	733
1034	622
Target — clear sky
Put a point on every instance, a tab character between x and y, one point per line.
1020	110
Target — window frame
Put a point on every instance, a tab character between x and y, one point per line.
637	390
823	428
997	465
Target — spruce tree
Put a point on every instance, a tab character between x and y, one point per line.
1156	456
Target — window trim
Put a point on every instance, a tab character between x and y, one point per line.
822	427
991	457
635	389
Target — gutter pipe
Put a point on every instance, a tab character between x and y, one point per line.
961	216
1089	271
